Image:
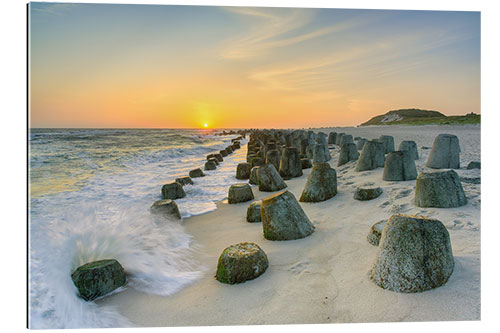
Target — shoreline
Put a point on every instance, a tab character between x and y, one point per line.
322	278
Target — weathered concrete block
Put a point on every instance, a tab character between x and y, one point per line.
98	278
339	138
305	163
239	193
210	165
290	163
184	180
253	211
304	143
213	159
321	140
474	165
219	157
410	146
172	191
399	166
319	154
166	207
364	194
360	143
388	142
309	152
241	262
253	175
256	161
250	157
376	232
445	153
243	171
439	189
269	179
283	218
273	157
371	157
321	184
348	152
414	255
332	138
196	173
346	138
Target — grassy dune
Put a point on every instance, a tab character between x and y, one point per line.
421	117
452	120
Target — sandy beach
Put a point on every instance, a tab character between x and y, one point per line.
323	278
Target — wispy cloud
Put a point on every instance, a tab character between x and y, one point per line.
266	27
57	9
380	58
294	76
275	28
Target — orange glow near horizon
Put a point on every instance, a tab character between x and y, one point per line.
282	68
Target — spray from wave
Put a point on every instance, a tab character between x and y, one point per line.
156	254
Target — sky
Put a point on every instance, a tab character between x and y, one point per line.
161	66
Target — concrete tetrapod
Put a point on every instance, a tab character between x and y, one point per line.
321	184
445	153
399	166
273	157
365	194
166	207
346	138
348	152
414	255
371	157
332	138
376	232
360	143
319	154
98	278
253	211
241	262
196	173
243	170
388	142
172	190
290	165
239	193
283	218
440	189
269	179
410	146
253	176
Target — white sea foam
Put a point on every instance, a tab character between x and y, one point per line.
105	214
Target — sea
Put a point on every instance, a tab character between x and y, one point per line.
90	191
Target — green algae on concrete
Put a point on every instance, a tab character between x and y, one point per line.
98	278
241	262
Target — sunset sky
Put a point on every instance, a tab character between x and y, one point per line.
96	65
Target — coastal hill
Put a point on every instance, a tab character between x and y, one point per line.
420	117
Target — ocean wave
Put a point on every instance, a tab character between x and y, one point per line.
94	204
155	253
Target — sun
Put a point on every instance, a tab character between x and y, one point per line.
205	125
